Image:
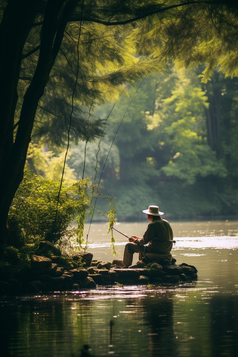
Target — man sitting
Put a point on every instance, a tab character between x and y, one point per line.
157	238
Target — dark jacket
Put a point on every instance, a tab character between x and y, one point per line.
157	237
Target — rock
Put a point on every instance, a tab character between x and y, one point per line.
52	270
126	276
98	278
163	259
156	275
55	283
112	274
106	265
102	271
94	263
61	283
189	270
86	258
172	279
184	277
44	275
48	249
154	266
88	283
118	263
40	263
59	271
107	280
76	287
173	269
62	261
101	279
67	275
36	287
79	274
144	279
139	264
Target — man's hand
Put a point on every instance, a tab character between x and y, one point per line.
133	238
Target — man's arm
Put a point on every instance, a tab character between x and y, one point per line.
147	236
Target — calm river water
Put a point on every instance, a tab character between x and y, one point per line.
189	320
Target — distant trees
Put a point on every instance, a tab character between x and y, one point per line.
168	157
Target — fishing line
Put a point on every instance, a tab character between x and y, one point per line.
114	138
84	160
70	119
95	177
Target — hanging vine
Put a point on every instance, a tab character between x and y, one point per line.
70	120
112	220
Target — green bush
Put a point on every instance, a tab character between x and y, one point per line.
12	255
37	213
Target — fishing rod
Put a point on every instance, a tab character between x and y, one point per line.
120	232
171	240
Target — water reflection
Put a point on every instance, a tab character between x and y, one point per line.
224	330
128	322
191	320
159	319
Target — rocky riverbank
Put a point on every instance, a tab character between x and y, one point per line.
56	273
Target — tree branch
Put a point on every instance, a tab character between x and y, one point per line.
142	15
48	111
31	52
25	78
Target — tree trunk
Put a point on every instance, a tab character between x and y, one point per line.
17	21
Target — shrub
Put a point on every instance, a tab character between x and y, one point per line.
37	211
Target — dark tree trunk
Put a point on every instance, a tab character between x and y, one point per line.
17	22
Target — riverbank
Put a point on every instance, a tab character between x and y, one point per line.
44	274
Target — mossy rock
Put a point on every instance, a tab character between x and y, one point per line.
48	249
154	266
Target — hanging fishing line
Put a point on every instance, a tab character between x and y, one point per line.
84	160
114	138
95	178
70	119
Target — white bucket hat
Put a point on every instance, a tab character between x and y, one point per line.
153	211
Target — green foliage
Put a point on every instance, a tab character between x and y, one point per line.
166	157
119	284
12	255
95	156
193	34
184	133
39	214
207	197
68	262
131	199
48	164
112	221
82	192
